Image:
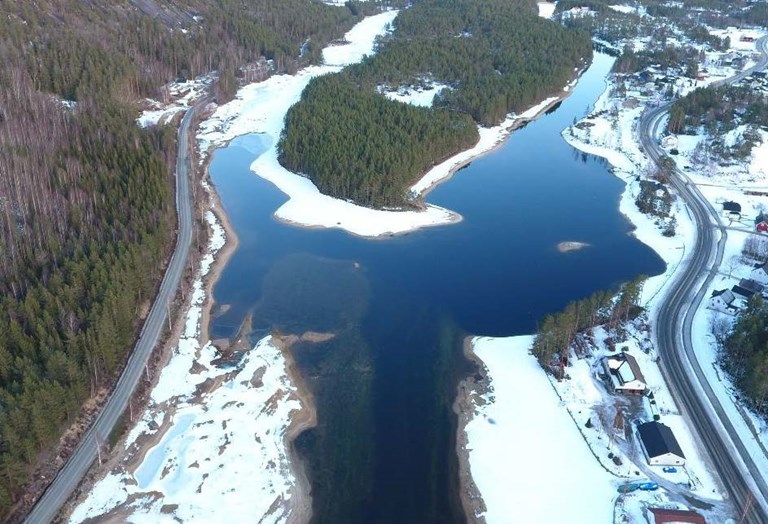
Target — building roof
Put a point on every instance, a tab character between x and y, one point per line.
734	207
668	516
743	292
726	295
625	366
659	440
751	285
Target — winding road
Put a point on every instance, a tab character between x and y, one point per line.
78	464
743	480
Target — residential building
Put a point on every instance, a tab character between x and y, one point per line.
660	445
724	301
625	374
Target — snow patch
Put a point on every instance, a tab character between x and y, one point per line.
546	9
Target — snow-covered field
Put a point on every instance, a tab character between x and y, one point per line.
206	425
527	457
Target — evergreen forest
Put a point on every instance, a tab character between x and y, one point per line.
745	353
86	196
495	56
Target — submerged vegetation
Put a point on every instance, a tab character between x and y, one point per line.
496	57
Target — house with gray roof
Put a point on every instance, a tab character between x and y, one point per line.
724	301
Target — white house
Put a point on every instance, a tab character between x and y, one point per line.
724	301
625	374
660	445
760	274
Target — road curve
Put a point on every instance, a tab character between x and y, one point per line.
742	479
78	464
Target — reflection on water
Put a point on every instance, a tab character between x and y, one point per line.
384	448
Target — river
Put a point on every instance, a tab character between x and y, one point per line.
384	447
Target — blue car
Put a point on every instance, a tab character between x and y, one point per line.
648	486
669	469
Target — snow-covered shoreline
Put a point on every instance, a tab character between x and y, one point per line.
485	442
206	422
515	454
261	108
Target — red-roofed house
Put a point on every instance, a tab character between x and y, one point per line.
676	516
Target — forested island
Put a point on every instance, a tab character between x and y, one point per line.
87	197
496	57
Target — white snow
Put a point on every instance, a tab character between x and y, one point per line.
236	432
527	457
217	424
422	96
261	108
546	9
490	137
182	96
626	9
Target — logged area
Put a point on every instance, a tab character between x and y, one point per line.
87	196
495	57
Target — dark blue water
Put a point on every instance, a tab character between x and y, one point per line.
383	450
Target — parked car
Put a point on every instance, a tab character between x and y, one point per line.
669	469
648	486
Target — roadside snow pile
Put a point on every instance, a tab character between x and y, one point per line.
524	449
182	96
206	425
420	95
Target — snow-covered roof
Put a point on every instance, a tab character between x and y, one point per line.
625	368
726	295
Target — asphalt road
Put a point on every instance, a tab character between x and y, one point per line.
744	482
78	464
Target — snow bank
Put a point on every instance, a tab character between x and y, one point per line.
236	432
527	457
626	9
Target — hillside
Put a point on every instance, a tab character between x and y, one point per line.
494	57
87	197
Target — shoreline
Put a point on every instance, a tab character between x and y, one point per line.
502	133
298	507
469	391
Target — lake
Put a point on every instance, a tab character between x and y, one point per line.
384	447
